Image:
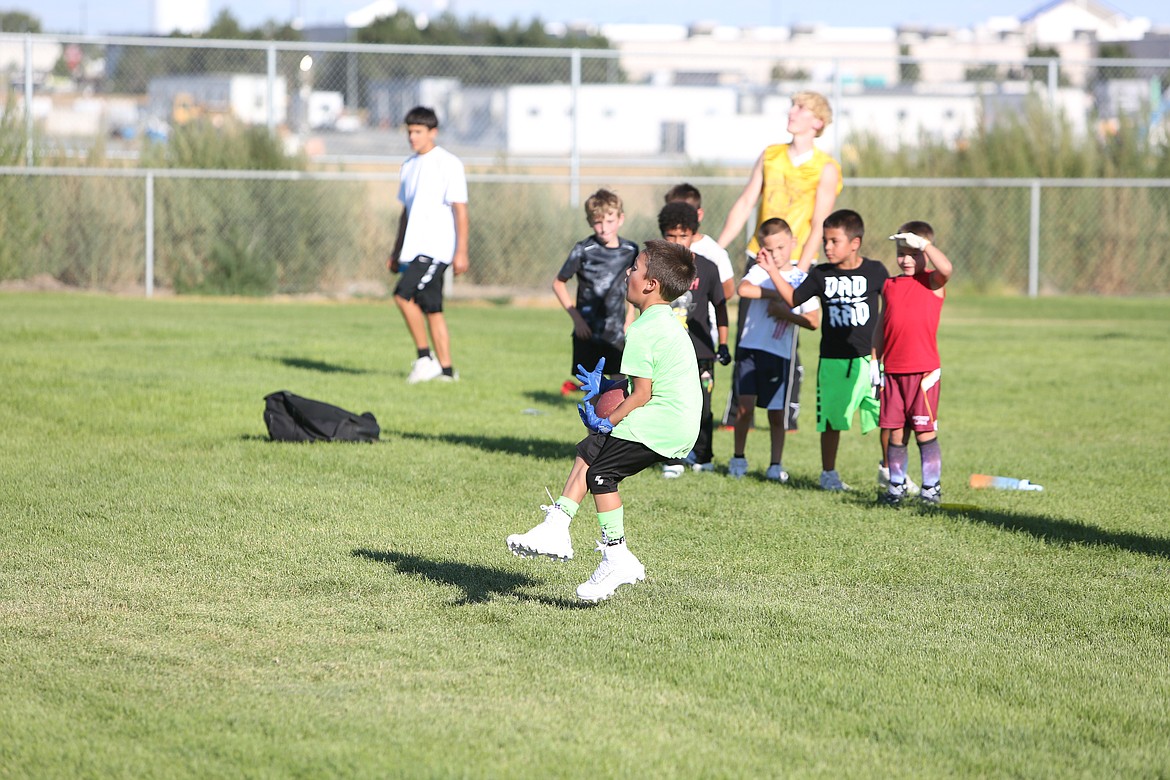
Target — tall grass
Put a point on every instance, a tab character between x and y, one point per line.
1034	143
247	237
261	237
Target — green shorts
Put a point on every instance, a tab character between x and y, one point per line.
843	389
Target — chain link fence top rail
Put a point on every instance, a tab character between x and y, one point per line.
99	189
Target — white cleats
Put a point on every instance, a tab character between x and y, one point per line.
618	567
549	539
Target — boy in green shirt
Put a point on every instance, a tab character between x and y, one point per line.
657	421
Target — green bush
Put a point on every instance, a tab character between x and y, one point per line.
244	236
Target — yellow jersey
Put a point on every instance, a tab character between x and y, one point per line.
790	192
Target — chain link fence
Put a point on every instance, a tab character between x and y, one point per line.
262	167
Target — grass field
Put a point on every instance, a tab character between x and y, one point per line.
181	597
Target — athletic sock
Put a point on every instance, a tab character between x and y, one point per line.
613	526
449	371
931	461
898	458
569	505
738	455
424	353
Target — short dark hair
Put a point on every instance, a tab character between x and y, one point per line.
770	227
687	193
918	228
421	115
672	265
849	221
678	214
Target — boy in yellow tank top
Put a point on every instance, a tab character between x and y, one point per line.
794	181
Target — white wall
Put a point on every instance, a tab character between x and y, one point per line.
628	118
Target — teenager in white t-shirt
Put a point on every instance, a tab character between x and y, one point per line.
432	236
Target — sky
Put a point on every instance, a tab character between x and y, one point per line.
97	17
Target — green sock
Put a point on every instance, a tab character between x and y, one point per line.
613	526
569	505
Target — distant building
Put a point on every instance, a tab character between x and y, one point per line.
240	96
186	16
1063	21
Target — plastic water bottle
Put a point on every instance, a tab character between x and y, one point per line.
1001	483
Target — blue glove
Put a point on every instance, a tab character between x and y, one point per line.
591	380
591	420
722	355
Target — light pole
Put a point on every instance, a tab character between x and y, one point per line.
306	88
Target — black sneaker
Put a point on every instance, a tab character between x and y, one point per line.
892	496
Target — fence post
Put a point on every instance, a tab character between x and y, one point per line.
1034	242
149	273
1053	83
28	100
574	139
837	90
271	89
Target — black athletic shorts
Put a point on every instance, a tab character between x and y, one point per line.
586	353
611	460
422	282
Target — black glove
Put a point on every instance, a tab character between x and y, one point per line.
722	355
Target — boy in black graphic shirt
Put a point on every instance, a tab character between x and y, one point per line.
849	287
600	262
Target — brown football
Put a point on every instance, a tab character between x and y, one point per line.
609	400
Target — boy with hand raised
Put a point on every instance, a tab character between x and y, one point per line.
907	344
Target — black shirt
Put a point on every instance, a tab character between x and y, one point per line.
850	300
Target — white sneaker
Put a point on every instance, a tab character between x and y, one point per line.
931	495
444	378
737	467
673	471
550	539
424	370
831	480
708	466
776	473
883	480
618	567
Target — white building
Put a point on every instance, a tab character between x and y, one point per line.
242	96
1063	21
709	123
185	16
635	119
711	54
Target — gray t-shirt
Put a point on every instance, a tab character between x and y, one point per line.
601	286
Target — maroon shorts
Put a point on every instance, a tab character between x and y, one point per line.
905	405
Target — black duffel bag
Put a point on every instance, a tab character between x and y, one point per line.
292	418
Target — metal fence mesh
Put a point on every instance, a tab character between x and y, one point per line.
111	129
